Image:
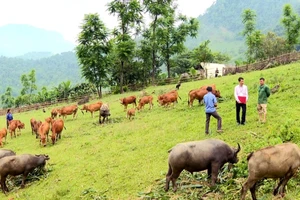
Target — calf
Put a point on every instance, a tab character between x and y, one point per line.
210	154
57	127
44	131
128	100
20	164
145	100
104	112
6	152
130	113
3	133
279	161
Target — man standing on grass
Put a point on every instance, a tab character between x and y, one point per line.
241	98
263	94
210	101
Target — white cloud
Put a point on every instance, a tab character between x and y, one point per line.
65	16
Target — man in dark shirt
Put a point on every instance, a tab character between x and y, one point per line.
263	94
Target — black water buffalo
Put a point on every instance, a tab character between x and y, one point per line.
6	152
19	164
210	154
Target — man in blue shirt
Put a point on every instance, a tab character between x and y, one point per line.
210	101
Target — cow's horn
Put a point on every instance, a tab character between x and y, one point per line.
238	149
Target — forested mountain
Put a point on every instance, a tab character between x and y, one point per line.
19	39
49	71
222	23
35	55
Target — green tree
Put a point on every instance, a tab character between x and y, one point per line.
202	54
29	86
172	33
291	24
253	36
63	89
129	16
93	51
183	63
7	100
157	9
273	45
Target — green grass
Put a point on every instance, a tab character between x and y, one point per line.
128	159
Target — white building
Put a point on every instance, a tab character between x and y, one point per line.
210	69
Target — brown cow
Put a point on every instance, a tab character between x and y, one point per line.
54	113
145	100
130	113
13	125
199	94
44	131
3	133
68	110
171	93
128	100
167	99
57	127
35	126
92	107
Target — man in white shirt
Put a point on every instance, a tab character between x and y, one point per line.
241	98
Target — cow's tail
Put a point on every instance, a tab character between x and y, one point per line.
170	150
249	156
65	128
179	97
188	99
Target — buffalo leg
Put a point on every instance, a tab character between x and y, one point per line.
249	184
275	192
3	185
252	190
168	178
175	174
287	177
214	173
23	179
209	172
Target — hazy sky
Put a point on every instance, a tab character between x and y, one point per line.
65	16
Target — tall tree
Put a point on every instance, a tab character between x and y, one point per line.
156	9
273	45
29	85
93	51
291	24
253	36
129	16
202	54
7	100
172	33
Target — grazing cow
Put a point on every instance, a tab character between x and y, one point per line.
68	110
130	113
6	152
199	94
54	113
279	161
20	164
167	99
13	125
92	107
35	126
43	131
210	154
169	96
145	100
104	112
128	100
57	127
3	133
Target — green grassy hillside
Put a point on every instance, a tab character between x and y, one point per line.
128	159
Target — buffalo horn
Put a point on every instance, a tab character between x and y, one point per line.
238	149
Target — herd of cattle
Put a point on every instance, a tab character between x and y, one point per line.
280	161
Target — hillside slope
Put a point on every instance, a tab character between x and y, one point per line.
222	23
128	159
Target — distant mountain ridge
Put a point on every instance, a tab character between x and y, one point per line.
222	23
50	71
19	39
